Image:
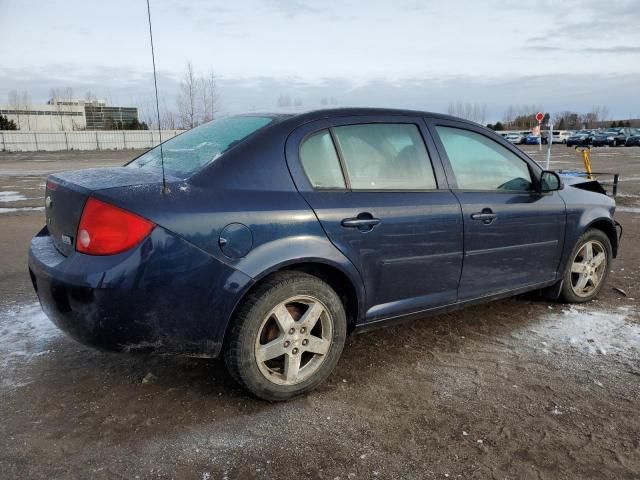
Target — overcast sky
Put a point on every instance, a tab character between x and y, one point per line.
569	54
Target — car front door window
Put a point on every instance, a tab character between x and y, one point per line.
480	163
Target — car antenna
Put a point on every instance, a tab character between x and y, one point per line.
155	83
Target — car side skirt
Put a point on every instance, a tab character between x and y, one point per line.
389	321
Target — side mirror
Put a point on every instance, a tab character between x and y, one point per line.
550	181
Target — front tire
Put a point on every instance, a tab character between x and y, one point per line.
286	337
587	268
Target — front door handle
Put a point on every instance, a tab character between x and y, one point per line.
486	216
363	222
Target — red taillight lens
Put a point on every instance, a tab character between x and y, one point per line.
107	230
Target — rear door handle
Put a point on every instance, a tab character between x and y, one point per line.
363	222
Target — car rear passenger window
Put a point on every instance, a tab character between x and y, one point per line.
480	163
389	156
320	161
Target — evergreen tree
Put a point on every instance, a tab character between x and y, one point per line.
6	124
498	127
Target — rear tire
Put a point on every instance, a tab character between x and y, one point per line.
588	267
286	337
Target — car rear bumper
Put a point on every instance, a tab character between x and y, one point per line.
165	295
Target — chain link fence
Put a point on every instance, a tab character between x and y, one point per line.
17	141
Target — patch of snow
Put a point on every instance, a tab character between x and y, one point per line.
25	335
628	209
21	209
632	178
590	331
11	196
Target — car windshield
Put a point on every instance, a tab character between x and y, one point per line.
187	153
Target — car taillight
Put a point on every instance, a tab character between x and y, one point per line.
107	230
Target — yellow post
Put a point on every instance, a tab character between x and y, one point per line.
586	158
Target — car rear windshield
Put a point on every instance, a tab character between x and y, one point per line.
187	153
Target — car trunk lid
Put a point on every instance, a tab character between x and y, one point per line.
67	192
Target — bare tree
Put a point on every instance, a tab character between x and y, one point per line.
598	113
69	106
168	118
54	94
209	94
16	104
283	101
509	116
475	112
26	106
188	97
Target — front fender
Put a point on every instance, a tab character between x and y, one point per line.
581	218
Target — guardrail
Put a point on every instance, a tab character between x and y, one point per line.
41	141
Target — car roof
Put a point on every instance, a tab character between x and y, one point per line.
318	114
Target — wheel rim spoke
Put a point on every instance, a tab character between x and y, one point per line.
588	251
318	345
283	318
291	367
582	282
578	267
598	259
271	350
311	316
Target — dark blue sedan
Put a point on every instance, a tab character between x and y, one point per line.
275	236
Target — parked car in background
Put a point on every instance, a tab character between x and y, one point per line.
515	138
581	137
613	137
560	136
267	238
535	140
634	139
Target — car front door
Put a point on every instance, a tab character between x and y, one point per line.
513	235
381	196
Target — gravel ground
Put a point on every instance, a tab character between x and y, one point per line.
519	388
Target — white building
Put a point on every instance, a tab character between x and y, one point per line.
69	115
46	117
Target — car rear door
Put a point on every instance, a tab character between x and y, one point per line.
513	236
378	188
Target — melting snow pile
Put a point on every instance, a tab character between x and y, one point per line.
25	334
11	197
21	209
591	331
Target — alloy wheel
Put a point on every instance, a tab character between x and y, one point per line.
293	340
588	268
